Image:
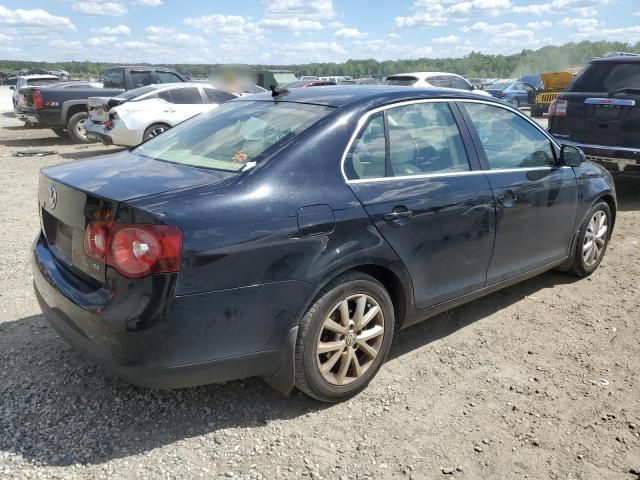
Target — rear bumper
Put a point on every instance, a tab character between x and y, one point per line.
118	135
99	136
613	158
149	337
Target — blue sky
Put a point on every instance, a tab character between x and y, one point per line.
300	31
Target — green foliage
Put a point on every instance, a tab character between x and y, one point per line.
475	64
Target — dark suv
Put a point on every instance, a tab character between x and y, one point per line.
600	113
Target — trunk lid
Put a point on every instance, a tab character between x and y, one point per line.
99	107
71	195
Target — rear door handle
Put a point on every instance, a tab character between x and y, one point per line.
398	214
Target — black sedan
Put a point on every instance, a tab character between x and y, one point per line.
290	236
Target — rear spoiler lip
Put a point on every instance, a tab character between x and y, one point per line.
109	102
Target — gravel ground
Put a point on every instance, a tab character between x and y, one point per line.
539	381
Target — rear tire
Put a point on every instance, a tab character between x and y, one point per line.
352	321
75	127
155	130
61	132
593	239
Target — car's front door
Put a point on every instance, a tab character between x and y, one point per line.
536	198
411	169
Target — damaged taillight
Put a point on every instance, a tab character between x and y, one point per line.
37	100
134	250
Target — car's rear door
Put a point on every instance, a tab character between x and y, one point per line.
536	197
187	102
417	175
601	106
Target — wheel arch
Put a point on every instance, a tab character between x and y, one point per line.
70	108
608	198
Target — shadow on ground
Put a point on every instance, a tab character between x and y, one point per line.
29	142
628	192
56	408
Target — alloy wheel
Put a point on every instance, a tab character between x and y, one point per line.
156	131
350	339
595	238
80	128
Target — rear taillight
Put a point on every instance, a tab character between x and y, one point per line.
37	100
558	108
135	250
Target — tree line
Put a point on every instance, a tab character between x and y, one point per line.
474	64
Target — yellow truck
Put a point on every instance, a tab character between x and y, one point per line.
553	83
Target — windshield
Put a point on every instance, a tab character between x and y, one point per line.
401	80
233	134
607	77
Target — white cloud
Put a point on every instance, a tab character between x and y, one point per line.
539	25
393	35
111	9
310	10
169	35
293	23
223	24
350	33
148	3
555	6
33	18
579	23
440	12
117	30
448	40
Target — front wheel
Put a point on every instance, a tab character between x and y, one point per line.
593	239
344	338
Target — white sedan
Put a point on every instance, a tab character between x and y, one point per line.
434	79
137	115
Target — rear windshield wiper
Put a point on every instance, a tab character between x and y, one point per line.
625	90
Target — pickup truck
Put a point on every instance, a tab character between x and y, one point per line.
63	107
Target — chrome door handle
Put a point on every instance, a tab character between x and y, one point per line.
398	215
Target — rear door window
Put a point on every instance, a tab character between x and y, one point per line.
166	96
440	81
366	159
140	78
217	96
114	78
607	77
168	77
186	96
459	83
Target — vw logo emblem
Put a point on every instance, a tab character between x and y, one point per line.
53	197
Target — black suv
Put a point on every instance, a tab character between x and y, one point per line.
600	113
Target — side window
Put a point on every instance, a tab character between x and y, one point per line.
509	140
186	96
140	78
440	81
166	96
424	138
114	78
217	96
168	77
366	159
459	83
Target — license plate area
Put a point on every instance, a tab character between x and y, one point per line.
606	113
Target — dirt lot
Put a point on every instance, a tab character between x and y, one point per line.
540	381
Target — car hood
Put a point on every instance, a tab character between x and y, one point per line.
124	176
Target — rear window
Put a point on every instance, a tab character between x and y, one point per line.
607	77
38	82
233	134
136	92
400	80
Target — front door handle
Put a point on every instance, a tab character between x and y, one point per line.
507	199
397	214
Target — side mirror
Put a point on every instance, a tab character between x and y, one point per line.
12	87
571	156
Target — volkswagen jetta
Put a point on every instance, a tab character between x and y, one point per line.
288	236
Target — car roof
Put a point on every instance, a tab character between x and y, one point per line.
618	59
343	95
423	74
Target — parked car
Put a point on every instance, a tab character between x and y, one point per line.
600	112
19	103
289	237
518	94
308	83
553	84
309	78
433	79
140	114
362	81
334	79
64	109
